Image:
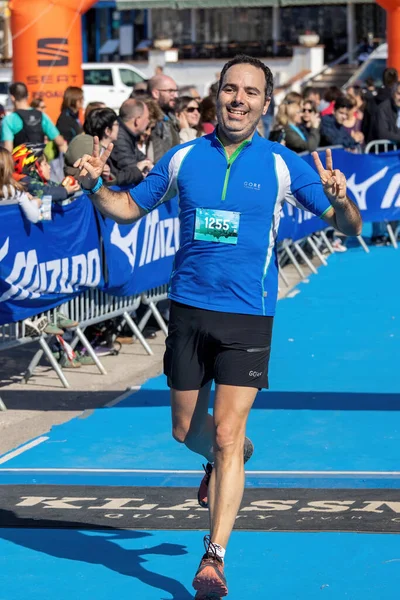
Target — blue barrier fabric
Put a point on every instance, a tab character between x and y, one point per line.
140	256
373	182
45	264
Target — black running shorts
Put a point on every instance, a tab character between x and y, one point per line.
204	344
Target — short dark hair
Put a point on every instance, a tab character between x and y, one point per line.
309	90
18	90
131	109
390	77
241	59
98	120
343	102
333	93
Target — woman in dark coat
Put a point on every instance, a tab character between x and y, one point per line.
68	122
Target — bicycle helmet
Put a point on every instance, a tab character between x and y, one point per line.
26	156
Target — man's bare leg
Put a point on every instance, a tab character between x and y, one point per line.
191	422
231	409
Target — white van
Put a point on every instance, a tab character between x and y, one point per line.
373	67
110	83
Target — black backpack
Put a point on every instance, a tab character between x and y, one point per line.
32	130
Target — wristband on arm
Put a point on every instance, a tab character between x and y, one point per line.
95	189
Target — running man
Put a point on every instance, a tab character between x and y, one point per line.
231	185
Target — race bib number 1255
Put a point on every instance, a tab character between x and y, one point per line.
217	226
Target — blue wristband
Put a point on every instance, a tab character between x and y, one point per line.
95	189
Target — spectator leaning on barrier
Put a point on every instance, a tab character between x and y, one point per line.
165	134
188	114
289	119
32	169
127	163
68	122
14	192
26	124
82	144
332	129
388	117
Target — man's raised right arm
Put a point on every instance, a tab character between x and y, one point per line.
118	206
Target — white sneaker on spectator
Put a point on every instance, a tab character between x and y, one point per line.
338	246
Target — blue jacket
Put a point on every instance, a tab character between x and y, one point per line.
333	134
230	208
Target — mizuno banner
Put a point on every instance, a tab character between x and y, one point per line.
47	263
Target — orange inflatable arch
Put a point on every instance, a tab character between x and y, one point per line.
47	47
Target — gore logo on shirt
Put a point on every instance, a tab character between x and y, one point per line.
252	186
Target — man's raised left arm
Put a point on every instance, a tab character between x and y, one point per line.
344	214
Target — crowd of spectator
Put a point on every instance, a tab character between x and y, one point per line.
159	115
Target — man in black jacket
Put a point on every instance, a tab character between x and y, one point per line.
369	124
127	162
388	117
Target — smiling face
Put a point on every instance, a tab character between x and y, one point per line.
241	102
192	113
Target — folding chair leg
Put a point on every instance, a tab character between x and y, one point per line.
317	252
53	362
363	244
305	258
137	333
327	241
3	407
90	350
158	317
284	278
294	262
32	365
144	320
391	235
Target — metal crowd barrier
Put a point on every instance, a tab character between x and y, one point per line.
90	308
93	306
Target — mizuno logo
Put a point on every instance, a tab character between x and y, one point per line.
56	55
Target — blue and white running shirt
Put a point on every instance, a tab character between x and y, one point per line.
229	218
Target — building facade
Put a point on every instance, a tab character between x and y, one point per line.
220	32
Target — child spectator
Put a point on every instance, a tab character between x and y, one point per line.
32	169
13	192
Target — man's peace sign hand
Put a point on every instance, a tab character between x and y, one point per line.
92	166
333	180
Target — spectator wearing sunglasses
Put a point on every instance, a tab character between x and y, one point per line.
289	119
187	112
310	117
